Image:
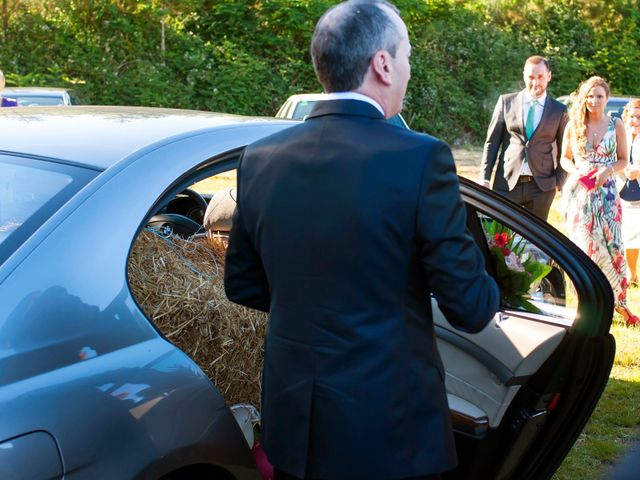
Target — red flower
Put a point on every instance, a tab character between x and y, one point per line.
501	239
506	252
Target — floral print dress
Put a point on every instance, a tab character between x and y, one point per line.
594	217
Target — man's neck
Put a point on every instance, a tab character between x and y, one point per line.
538	99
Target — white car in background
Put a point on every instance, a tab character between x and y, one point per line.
41	96
297	107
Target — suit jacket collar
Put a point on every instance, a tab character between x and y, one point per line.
355	108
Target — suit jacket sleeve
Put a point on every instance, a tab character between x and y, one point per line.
245	280
493	141
453	263
561	174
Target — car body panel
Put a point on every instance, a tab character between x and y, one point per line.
125	405
124	129
16	457
69	325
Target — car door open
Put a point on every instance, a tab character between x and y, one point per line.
521	390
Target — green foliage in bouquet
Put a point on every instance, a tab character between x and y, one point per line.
517	270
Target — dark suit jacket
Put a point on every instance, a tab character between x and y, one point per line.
507	143
344	226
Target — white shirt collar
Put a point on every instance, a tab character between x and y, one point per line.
540	100
354	96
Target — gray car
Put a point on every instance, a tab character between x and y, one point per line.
91	386
41	96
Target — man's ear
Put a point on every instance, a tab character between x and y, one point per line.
381	66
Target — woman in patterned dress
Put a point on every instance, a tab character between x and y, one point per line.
593	149
631	209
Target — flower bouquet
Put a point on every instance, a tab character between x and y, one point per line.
518	270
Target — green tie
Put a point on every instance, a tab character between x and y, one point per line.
532	112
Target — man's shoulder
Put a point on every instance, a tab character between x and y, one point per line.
511	95
408	139
556	103
508	98
386	134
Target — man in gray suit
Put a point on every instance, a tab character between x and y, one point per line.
525	137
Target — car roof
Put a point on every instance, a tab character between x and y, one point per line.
308	97
40	91
566	98
99	136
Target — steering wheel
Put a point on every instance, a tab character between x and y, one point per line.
200	202
184	226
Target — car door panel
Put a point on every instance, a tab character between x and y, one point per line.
521	390
517	346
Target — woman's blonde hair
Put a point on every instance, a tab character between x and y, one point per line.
578	111
633	103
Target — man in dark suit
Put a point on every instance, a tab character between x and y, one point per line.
345	225
524	140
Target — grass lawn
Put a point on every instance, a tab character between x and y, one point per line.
614	424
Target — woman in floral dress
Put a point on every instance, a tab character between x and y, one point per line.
593	149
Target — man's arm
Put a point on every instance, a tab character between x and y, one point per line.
245	280
492	143
561	174
454	264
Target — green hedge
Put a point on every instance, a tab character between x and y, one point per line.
247	56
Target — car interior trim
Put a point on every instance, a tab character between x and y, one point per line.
499	369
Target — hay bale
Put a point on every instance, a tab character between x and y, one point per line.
179	285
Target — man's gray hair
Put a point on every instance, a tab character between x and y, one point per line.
346	38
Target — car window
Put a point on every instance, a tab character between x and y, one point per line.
177	279
528	278
303	109
215	183
34	100
615	107
30	192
